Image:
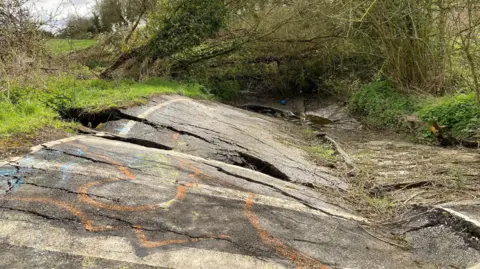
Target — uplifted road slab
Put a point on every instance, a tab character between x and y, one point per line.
215	131
92	201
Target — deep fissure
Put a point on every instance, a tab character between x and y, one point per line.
93	120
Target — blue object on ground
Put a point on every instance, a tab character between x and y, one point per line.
283	102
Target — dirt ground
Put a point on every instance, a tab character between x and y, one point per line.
395	174
20	144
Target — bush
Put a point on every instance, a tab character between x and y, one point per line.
380	105
460	113
227	90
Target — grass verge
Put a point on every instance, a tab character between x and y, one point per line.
24	110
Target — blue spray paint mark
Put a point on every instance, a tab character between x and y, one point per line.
80	152
16	184
10	185
122	128
66	171
8	171
26	163
28	160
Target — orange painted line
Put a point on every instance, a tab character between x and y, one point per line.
176	136
180	193
87	223
84	190
84	197
127	172
300	260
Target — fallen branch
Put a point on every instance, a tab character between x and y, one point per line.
406	219
384	240
350	163
413	196
381	189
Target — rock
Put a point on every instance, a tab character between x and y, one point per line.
328	111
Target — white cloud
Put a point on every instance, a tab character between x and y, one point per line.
55	12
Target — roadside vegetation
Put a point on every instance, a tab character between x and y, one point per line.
24	110
380	105
402	65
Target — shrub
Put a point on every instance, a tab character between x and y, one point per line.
227	90
380	105
460	113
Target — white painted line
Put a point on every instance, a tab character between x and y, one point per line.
10	161
54	143
460	215
128	127
475	266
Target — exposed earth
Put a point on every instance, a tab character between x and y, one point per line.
182	183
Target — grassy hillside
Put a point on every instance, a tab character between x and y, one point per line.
65	46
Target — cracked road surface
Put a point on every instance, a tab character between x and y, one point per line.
203	193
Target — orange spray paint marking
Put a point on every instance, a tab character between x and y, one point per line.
176	136
87	223
300	260
127	172
195	173
180	193
84	197
84	190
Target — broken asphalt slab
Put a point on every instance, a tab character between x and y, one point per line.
178	186
108	200
220	132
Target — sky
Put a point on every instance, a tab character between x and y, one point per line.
56	12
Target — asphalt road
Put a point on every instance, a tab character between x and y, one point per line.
192	185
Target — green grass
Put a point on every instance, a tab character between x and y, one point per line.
28	109
97	95
322	152
65	46
25	117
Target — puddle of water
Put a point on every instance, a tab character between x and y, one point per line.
318	120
